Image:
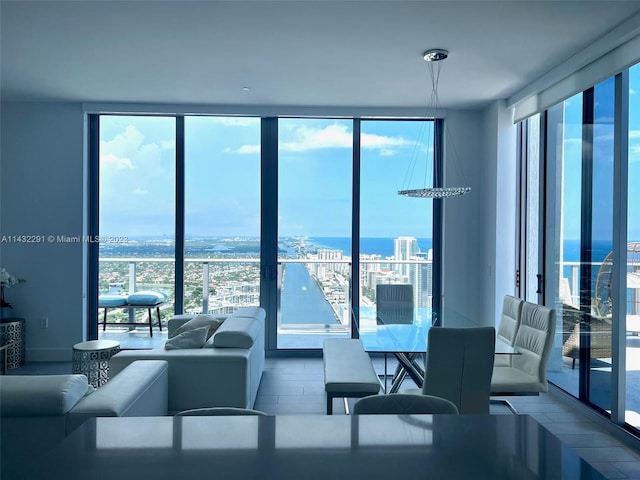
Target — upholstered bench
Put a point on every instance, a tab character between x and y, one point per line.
143	299
348	371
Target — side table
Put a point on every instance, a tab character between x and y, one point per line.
92	359
12	334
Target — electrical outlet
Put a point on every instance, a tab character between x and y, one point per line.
44	322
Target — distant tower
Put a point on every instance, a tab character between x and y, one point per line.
404	249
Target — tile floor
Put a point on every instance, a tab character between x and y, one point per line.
295	386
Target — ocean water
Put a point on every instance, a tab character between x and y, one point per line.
368	245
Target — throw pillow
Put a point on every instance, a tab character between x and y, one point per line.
194	338
197	322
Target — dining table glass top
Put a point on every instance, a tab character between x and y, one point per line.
406	338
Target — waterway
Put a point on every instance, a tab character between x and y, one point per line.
302	300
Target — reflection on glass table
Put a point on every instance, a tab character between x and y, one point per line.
310	447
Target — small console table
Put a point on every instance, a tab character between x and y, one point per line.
92	359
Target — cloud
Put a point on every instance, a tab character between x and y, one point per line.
336	136
130	140
236	121
168	144
382	142
388	152
112	161
331	136
244	149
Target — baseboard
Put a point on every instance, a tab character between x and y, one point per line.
616	431
48	354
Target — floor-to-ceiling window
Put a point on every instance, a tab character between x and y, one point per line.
632	308
592	244
564	160
221	214
396	232
315	158
136	209
580	152
528	273
190	194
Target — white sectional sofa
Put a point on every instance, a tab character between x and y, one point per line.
225	372
39	411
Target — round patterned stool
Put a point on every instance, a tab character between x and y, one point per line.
92	359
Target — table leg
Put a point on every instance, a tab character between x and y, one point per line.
408	367
104	320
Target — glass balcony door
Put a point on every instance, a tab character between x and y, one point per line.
314	223
137	212
221	214
580	139
396	232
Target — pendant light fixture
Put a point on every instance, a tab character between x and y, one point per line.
434	59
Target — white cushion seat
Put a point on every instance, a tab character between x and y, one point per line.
106	301
348	371
510	379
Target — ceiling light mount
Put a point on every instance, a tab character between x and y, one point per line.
435	55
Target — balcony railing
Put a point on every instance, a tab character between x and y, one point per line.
236	283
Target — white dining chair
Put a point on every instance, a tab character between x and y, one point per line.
218	411
458	366
508	328
403	404
394	304
527	372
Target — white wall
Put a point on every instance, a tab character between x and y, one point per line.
479	233
506	204
463	222
41	194
489	194
499	183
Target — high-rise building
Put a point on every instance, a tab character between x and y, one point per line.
404	248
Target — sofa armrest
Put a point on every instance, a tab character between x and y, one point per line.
141	389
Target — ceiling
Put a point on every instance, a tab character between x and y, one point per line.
290	53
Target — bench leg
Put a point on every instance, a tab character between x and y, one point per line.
159	321
104	320
329	404
150	322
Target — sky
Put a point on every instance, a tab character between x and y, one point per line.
222	177
222	174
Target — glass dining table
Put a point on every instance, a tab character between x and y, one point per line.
408	344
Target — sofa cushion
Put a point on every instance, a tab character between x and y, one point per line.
194	338
146	298
237	332
40	395
197	322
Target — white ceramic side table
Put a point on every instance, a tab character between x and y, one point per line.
92	359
